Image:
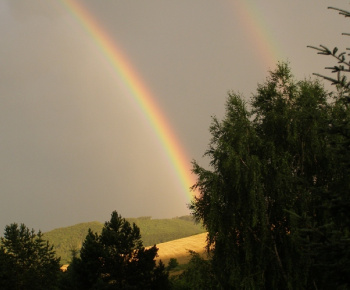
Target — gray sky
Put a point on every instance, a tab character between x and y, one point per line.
73	144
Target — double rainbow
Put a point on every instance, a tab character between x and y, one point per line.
252	22
123	69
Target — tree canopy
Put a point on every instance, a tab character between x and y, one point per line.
331	243
117	259
272	168
27	261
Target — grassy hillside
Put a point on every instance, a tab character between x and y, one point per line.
153	231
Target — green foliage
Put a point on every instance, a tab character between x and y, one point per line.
342	66
197	275
269	165
116	259
173	263
70	239
27	261
153	231
329	238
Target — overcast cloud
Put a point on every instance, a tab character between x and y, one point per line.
73	144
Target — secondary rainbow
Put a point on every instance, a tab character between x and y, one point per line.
260	36
138	90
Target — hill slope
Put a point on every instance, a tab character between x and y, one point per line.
153	231
178	249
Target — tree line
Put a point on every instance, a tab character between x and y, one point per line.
113	259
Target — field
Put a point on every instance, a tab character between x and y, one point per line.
153	231
179	248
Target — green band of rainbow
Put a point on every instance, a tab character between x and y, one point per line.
124	70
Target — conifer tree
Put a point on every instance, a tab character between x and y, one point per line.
117	259
27	261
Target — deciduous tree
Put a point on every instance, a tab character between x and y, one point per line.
330	241
268	164
197	275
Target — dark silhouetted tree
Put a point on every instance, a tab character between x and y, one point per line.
27	261
116	259
173	263
330	242
198	275
271	166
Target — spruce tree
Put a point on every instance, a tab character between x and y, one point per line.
27	260
117	259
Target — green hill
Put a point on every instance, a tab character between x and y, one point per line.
153	231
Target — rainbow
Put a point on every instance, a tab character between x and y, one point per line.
124	70
256	29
